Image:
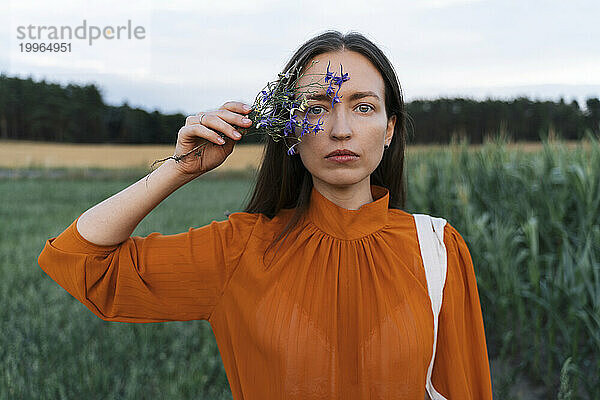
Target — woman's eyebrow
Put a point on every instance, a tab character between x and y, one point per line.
352	97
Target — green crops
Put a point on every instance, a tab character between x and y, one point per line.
532	224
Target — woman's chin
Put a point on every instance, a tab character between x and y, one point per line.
343	178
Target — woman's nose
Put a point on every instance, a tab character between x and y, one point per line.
340	125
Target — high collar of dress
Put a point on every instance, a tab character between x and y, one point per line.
349	224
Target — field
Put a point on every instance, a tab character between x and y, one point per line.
21	154
24	154
530	217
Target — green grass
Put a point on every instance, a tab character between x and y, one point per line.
51	347
531	221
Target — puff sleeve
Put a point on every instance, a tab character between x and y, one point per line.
150	279
461	369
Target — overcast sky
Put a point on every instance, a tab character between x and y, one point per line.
195	55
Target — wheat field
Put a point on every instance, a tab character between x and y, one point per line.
25	154
29	154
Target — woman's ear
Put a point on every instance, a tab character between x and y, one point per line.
390	129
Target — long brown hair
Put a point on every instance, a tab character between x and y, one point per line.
283	182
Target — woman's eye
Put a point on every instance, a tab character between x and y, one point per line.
366	108
318	108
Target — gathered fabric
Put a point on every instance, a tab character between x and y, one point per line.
340	309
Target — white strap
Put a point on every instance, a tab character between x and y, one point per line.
430	231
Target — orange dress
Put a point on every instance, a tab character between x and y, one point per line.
341	312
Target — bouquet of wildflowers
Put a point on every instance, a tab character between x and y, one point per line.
275	108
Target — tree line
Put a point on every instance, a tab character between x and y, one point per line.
42	111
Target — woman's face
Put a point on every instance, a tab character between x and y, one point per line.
358	123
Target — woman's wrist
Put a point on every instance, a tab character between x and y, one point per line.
174	174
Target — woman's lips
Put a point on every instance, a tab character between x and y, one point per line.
343	158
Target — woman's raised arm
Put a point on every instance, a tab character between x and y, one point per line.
113	220
158	277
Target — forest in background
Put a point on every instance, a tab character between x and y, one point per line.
50	112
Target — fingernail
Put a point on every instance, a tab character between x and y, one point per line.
246	120
221	140
247	107
237	134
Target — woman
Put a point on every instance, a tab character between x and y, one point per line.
340	307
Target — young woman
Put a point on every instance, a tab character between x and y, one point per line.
317	289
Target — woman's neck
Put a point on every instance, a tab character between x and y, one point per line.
350	197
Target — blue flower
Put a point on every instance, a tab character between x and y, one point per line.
289	126
305	125
329	74
338	80
266	95
266	121
317	127
335	99
329	90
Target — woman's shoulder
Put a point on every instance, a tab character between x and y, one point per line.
399	213
404	220
402	216
259	218
398	218
259	223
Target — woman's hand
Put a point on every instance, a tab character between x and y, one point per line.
208	134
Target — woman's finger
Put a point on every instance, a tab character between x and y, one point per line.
193	119
215	122
234	118
237	107
202	132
